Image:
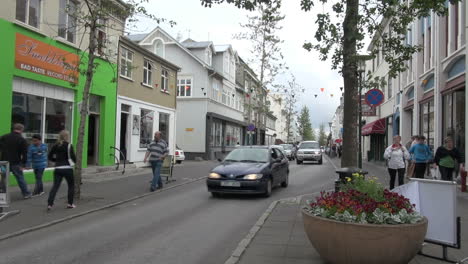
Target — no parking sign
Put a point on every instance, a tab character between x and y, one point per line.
374	97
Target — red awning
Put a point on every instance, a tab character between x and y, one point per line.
376	127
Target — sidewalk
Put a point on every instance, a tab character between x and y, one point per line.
93	197
281	238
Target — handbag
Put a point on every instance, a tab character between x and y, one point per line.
70	161
435	173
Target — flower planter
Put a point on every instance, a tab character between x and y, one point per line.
341	242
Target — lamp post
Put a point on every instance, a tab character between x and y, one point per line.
329	142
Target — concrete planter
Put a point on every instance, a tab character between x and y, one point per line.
340	242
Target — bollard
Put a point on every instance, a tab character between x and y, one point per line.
463	180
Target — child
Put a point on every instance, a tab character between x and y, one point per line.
37	159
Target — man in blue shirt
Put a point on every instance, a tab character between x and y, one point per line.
37	159
157	152
422	154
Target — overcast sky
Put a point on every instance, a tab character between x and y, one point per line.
221	22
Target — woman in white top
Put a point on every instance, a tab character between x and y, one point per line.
396	154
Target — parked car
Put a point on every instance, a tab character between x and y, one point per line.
309	151
289	150
179	155
250	169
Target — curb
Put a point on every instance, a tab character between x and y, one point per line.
244	243
68	218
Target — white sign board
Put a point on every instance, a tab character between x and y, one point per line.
4	173
436	200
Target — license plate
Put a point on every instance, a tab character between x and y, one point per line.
230	183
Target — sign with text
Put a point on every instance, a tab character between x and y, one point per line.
4	173
366	109
38	57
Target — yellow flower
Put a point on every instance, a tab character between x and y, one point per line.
348	179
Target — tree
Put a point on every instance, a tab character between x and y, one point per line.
290	94
322	135
92	16
342	33
305	127
261	31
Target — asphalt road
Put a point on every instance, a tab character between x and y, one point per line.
184	225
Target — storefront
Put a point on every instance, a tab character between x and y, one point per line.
224	135
42	88
376	131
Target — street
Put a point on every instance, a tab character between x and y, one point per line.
180	225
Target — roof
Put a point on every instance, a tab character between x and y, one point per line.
192	44
137	37
221	48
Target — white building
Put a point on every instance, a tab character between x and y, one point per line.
277	106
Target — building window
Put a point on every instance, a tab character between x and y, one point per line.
29	12
410	94
216	139
164	126
67	20
146	127
159	48
126	61
216	94
208	56
44	116
147	73
184	87
390	87
427	122
164	80
453	118
101	36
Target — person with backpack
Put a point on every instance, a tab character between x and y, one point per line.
64	157
446	158
422	155
396	154
37	160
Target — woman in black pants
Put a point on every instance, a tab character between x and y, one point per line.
64	157
446	158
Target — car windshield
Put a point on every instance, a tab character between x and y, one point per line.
287	147
248	155
309	145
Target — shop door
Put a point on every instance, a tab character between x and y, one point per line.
123	134
93	139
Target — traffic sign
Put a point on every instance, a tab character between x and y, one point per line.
251	127
374	97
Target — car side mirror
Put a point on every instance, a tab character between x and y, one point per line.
220	160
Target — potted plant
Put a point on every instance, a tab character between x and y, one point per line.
364	223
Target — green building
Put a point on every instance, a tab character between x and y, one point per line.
41	86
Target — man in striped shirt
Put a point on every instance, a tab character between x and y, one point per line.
157	151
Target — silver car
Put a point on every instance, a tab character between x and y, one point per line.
309	151
288	150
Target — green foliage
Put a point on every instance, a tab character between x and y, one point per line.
373	188
322	135
305	127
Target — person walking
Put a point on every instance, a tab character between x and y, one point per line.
422	154
37	160
14	149
157	152
445	158
64	157
396	154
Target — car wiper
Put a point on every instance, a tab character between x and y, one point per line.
231	160
250	161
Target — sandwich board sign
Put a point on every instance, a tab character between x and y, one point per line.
4	173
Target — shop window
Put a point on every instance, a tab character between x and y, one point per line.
453	118
146	127
28	12
216	134
184	87
164	80
67	20
58	117
164	126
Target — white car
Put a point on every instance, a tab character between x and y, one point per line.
179	155
309	151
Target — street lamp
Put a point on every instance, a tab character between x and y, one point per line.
330	138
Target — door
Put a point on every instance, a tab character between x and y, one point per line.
93	142
123	134
279	167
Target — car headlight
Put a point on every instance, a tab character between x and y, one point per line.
214	175
253	176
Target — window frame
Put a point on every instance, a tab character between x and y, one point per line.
128	62
149	72
67	31
27	21
164	80
180	87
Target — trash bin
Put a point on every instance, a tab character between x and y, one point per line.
346	172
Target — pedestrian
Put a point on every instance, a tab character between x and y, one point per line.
422	154
340	151
14	149
64	157
37	160
157	152
446	158
411	164
396	154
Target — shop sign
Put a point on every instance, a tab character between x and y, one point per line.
189	129
366	109
38	57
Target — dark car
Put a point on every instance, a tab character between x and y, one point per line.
254	169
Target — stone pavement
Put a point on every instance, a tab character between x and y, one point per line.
94	196
282	240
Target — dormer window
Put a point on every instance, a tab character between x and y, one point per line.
159	48
208	56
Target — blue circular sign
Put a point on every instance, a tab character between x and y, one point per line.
251	127
374	97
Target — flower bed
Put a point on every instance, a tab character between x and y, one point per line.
364	201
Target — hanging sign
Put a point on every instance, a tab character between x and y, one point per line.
374	97
38	57
366	109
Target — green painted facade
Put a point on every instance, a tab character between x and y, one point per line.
104	85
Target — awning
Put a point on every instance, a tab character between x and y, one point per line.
376	127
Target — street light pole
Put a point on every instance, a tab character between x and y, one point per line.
329	142
360	121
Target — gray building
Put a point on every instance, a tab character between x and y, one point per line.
209	115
